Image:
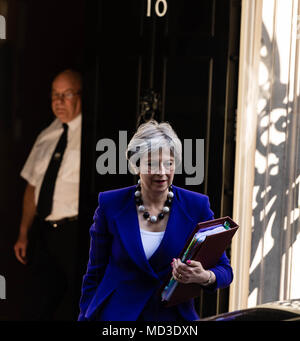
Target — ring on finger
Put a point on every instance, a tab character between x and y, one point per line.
180	276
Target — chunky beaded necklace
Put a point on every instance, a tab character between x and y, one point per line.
141	208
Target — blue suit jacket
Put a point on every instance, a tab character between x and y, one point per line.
120	280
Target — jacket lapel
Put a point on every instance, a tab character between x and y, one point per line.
178	229
129	231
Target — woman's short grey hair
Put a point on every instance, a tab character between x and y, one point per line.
150	138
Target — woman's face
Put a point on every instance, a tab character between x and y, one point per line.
157	171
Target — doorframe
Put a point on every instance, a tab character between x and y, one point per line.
250	42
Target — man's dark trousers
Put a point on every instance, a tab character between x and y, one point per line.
52	290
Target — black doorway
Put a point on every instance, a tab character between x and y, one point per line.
181	61
176	61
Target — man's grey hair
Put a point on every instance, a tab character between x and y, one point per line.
152	137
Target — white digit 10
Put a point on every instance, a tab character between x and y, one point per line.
157	10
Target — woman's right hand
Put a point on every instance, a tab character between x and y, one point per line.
21	248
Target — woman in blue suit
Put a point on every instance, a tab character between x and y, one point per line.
139	231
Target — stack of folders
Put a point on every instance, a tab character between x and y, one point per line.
206	244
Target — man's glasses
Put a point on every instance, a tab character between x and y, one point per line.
68	95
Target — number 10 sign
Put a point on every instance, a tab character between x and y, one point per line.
159	10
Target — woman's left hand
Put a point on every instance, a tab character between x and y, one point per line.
191	272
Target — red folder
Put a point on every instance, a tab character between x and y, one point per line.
208	253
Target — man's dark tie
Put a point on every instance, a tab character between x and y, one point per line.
44	206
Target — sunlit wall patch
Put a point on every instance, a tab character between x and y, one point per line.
2	27
2	288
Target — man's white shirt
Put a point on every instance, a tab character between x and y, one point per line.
66	192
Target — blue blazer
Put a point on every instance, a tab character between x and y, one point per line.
120	281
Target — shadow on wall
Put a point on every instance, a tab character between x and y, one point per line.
275	186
